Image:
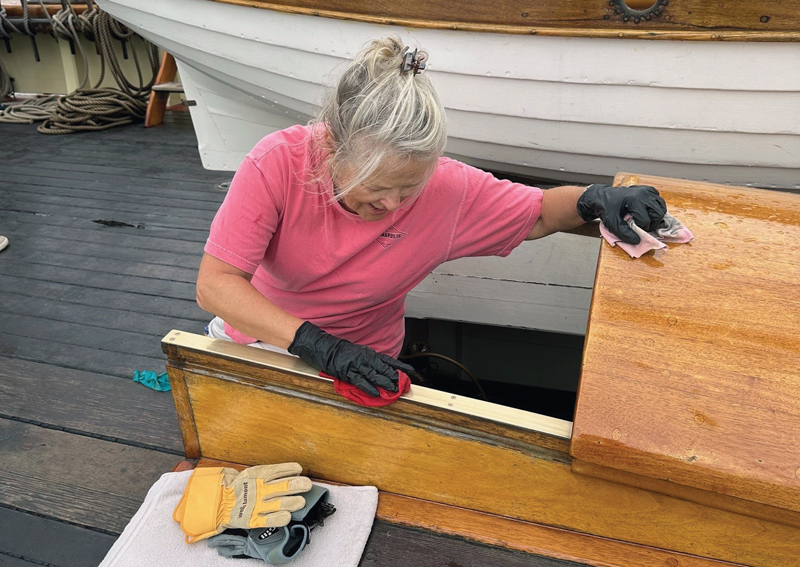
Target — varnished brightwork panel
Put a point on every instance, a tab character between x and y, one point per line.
253	421
183	409
737	20
513	534
691	370
423	405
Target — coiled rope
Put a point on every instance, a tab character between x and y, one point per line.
101	108
30	111
95	108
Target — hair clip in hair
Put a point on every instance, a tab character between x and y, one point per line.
414	62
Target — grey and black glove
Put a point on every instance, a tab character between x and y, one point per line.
277	546
358	365
612	204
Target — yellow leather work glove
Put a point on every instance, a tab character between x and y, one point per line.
218	498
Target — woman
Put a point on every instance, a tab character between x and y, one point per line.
329	226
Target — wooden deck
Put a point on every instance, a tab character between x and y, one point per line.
106	231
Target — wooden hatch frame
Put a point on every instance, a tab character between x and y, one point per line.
473	469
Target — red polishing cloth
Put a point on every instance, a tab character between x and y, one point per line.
362	398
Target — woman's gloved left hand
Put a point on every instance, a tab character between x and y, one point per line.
356	364
612	204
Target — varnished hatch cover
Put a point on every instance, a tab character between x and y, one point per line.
691	370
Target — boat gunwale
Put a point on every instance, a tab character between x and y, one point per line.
611	33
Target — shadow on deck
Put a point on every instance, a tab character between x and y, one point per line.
106	232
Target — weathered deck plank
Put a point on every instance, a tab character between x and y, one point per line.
76	357
67	175
79	479
79	334
97	280
88	402
122	301
18	220
65	207
114	257
136	195
27	540
150	325
110	238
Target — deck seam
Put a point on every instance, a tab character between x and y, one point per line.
55	519
27	559
99	436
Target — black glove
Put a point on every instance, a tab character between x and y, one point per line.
612	204
355	364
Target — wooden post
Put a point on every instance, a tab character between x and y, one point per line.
158	99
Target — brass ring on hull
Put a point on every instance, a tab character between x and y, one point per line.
630	10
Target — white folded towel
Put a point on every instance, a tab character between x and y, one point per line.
153	538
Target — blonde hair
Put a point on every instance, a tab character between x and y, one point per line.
379	111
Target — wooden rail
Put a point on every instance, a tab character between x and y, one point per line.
35	10
697	20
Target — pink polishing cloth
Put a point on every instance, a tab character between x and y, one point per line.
671	230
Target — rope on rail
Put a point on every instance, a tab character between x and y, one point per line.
6	23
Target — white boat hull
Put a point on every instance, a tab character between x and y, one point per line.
571	109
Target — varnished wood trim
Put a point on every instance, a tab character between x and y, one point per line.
616	33
713	499
185	465
181	345
529	537
351	446
687	419
183	407
514	534
35	10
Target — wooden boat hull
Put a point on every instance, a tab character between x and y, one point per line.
564	108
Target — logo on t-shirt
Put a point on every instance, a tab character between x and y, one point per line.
390	236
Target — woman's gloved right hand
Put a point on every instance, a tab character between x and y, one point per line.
612	205
358	365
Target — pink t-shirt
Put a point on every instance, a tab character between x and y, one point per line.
350	277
